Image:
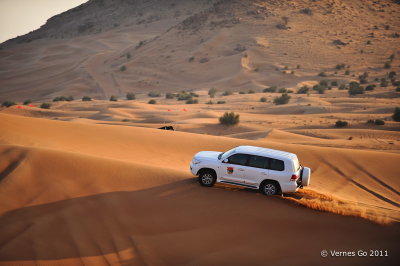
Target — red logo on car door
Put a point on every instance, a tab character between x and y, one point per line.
229	170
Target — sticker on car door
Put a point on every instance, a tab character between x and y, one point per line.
229	170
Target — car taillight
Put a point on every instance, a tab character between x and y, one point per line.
293	178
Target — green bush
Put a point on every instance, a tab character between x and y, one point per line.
355	88
396	114
320	89
251	91
130	96
340	66
391	74
169	95
210	102
396	83
322	74
387	65
379	122
282	90
212	92
122	68
45	106
341	123
113	98
221	102
347	72
26	102
227	93
283	99
192	101
183	96
152	101
323	83
70	99
242	92
370	87
86	99
334	83
270	89
59	99
342	87
154	94
194	94
229	119
263	99
398	89
303	90
384	83
8	103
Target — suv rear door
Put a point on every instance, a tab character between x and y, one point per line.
256	170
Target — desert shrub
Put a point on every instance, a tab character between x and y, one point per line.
221	102
384	83
391	74
371	122
347	72
323	83
229	119
263	99
391	57
130	96
342	87
212	92
191	59
8	103
355	88
122	68
152	101
396	114
283	99
303	90
86	99
154	94
322	74
169	95
192	101
398	89
184	96
387	65
70	99
289	91
45	106
379	122
242	92
128	55
340	66
204	60
282	90
26	102
113	98
320	89
370	87
251	91
210	102
59	99
270	89
396	83
227	93
334	83
306	11
341	123
194	94
298	67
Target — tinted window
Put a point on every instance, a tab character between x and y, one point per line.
276	165
258	162
239	159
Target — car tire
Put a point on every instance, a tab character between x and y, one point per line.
270	188
207	178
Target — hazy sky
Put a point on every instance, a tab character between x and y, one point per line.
18	17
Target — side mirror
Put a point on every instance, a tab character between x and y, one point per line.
225	160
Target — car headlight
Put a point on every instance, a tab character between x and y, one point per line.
195	161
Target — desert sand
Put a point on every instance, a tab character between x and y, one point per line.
97	183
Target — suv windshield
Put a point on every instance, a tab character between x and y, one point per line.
226	154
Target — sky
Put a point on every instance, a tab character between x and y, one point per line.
18	17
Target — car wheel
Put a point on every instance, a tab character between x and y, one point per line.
207	179
270	188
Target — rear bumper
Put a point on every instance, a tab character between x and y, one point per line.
289	187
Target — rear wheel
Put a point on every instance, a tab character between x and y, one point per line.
270	188
207	178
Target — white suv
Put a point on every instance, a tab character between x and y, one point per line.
271	171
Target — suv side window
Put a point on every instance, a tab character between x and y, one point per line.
258	162
276	165
239	159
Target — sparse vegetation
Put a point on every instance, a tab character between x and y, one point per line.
319	88
303	90
334	83
86	99
183	96
322	74
347	72
227	93
384	83
113	98
340	66
355	88
379	122
154	94
396	114
370	87
45	105
192	101
251	91
263	99
221	102
387	65
229	119
212	92
306	11
130	96
210	102
63	99
270	89
152	101
282	90
342	87
26	102
242	92
169	95
8	103
122	68
341	123
283	99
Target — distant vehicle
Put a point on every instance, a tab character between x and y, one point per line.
273	172
167	128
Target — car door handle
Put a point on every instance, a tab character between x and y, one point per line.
263	173
240	169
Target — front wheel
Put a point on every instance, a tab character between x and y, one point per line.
270	188
207	179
